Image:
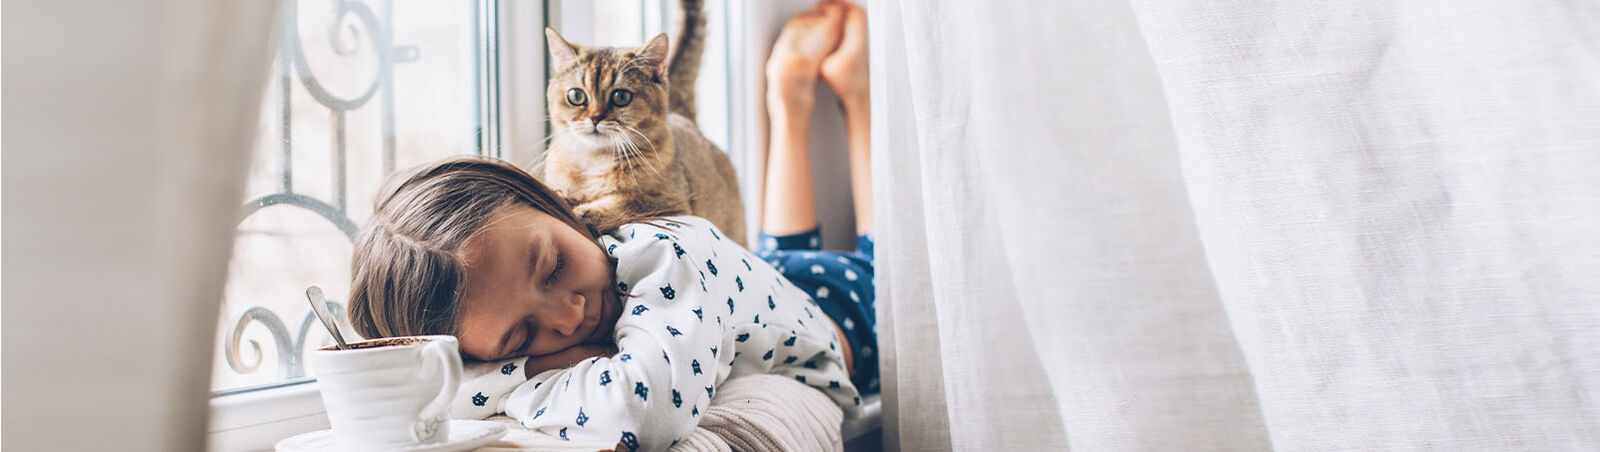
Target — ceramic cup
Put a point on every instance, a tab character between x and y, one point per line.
389	393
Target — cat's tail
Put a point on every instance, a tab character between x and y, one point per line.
685	66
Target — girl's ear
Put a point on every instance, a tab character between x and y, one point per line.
562	52
655	52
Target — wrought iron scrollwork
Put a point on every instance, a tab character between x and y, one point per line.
279	333
343	11
370	37
291	354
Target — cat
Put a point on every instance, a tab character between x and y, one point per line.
625	144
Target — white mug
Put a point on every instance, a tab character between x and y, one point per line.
389	393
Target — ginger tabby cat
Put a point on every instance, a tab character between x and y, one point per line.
626	146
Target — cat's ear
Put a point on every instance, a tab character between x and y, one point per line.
656	53
561	52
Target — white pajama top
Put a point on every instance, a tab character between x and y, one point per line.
702	309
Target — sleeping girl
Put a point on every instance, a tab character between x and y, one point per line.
624	332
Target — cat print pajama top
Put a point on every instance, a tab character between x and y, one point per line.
703	309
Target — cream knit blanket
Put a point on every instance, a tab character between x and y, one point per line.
749	413
767	412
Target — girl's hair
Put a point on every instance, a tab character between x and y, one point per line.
407	278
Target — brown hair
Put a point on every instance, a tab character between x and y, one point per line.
407	277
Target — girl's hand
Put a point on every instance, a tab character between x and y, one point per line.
566	357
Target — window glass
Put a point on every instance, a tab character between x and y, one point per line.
359	89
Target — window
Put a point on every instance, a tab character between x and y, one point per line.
362	88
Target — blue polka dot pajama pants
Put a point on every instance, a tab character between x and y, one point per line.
841	284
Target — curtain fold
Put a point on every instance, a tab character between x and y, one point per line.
922	371
128	131
1155	225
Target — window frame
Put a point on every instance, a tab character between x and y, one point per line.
511	113
511	47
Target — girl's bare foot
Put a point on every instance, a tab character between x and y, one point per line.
802	45
845	70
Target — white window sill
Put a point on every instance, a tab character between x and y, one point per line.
257	420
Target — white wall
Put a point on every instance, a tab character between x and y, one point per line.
830	164
126	135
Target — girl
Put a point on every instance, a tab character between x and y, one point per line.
622	336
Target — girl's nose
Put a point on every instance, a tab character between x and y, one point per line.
572	318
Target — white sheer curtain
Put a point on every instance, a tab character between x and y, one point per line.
127	134
1254	225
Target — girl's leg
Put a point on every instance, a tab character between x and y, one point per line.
845	70
841	283
789	205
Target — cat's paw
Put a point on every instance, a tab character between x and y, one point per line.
590	213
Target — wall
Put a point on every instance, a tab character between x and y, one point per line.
829	157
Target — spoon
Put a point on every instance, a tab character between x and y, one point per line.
319	306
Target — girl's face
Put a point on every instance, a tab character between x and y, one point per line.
534	286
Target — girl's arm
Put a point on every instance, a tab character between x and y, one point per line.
566	358
485	386
654	390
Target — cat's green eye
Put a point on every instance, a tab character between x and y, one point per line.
576	97
621	97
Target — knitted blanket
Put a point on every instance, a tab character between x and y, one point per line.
767	412
749	413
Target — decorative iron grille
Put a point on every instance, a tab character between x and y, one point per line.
359	29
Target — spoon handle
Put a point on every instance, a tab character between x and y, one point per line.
319	306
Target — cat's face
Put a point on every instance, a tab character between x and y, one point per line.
605	98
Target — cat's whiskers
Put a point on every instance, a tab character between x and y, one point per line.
556	135
626	149
626	159
635	146
584	136
640	134
618	145
616	150
538	162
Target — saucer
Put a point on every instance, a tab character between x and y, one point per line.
465	435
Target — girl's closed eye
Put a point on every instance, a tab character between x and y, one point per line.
533	285
527	338
555	273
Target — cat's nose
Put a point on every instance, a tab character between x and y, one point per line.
596	120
